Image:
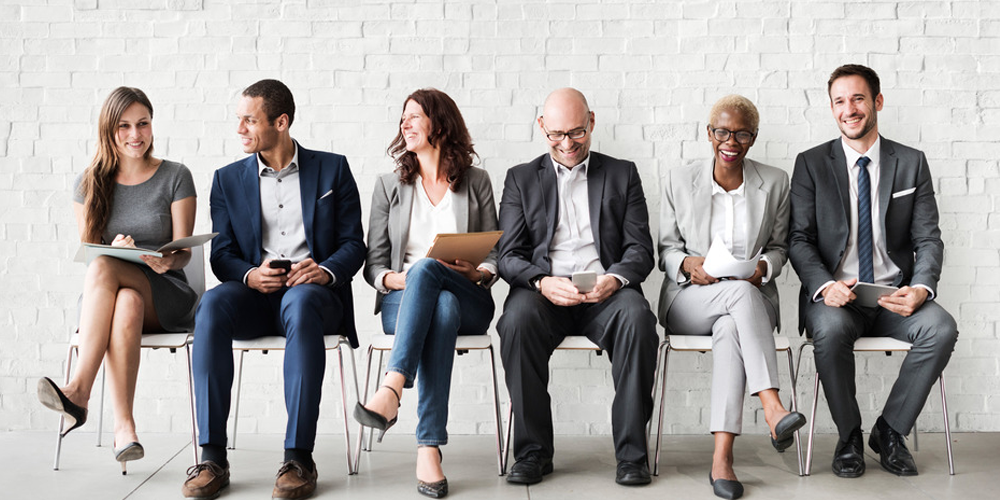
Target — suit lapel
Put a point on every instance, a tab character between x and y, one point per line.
701	197
250	179
886	176
550	195
308	184
461	204
836	162
596	174
405	194
756	197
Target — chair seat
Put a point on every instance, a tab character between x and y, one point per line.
463	342
276	342
578	342
704	342
881	344
151	340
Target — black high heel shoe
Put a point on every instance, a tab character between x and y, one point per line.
131	451
437	489
373	419
53	398
785	430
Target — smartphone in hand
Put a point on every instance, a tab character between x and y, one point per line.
585	281
281	264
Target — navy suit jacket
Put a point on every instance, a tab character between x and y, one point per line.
618	217
332	222
821	212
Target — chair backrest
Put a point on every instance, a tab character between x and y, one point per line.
195	270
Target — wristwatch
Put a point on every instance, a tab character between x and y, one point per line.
481	282
537	283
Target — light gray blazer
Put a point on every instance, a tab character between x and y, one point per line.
389	224
685	220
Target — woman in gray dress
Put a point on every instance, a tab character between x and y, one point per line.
126	198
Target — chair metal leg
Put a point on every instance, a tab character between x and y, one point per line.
659	420
357	397
649	424
501	469
236	411
343	399
510	424
916	442
795	407
947	425
812	424
62	419
361	428
194	428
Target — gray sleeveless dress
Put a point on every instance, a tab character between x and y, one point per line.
143	212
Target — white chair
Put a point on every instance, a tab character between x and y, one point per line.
703	343
195	272
888	345
277	343
463	344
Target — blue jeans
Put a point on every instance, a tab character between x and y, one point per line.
437	305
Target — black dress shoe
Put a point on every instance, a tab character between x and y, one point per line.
726	488
849	459
632	473
891	449
785	430
530	469
53	398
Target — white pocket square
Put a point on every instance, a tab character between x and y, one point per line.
904	192
328	193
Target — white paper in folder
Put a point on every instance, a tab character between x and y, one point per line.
720	263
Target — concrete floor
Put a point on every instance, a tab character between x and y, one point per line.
584	469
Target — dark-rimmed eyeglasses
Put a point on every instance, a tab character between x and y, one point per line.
722	135
575	134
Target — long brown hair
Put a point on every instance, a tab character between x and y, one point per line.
98	183
448	134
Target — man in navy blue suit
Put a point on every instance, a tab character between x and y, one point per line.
282	203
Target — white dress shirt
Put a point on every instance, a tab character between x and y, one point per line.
572	248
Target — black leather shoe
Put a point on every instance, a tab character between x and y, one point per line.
785	430
891	448
632	473
53	398
530	469
726	488
849	459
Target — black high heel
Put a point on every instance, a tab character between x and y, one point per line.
437	489
373	419
53	398
131	451
785	430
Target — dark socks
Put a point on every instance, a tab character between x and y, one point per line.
214	453
301	456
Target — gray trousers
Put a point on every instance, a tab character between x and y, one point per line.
741	322
931	330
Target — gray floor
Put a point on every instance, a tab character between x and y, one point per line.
584	469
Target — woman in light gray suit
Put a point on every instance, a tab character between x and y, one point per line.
426	303
743	206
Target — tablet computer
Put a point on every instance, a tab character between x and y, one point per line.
470	247
868	293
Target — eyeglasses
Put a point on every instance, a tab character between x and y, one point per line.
722	135
579	133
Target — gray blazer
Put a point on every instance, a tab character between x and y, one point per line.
685	217
389	224
821	213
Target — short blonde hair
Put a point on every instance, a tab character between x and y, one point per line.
738	103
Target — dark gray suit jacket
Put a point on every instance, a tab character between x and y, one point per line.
389	221
820	222
618	216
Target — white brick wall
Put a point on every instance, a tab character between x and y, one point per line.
651	71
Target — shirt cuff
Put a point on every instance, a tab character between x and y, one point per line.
767	276
930	293
245	276
333	279
380	281
621	279
493	272
818	296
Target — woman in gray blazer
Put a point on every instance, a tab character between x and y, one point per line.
425	302
743	206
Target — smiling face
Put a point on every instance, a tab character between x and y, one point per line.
855	109
730	153
415	127
134	131
567	117
256	132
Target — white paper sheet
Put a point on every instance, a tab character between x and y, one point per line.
720	263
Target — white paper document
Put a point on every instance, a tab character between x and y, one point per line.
720	263
89	251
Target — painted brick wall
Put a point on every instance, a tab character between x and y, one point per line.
650	69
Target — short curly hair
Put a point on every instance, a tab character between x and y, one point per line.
738	103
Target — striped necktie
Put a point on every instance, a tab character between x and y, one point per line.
865	271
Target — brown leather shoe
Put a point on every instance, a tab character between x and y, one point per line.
294	481
205	481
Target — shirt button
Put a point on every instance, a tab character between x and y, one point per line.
282	233
281	206
279	180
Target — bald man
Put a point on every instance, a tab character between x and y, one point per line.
569	211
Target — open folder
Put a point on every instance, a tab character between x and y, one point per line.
470	247
720	263
90	251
